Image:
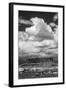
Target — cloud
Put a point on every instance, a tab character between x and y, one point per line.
23	36
55	17
39	49
40	29
26	22
38	40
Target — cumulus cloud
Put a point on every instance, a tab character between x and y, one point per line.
38	40
40	29
23	36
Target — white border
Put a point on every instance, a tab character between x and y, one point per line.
58	79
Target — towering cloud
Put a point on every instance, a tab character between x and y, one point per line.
41	39
40	29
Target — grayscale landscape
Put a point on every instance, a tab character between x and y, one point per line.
37	44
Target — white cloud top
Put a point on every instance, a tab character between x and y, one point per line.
38	40
40	28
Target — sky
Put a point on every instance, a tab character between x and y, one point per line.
38	39
27	15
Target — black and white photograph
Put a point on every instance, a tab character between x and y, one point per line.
37	44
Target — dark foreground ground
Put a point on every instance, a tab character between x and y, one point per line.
38	67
